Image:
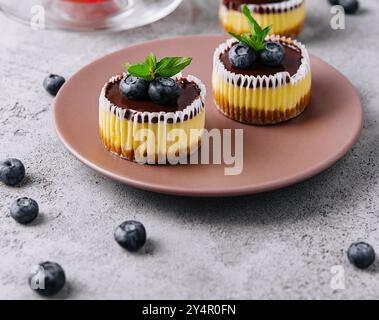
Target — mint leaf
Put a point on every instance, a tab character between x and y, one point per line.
150	69
252	41
141	71
151	62
168	67
256	38
254	26
266	31
126	66
239	38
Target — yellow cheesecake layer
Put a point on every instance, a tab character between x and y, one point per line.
264	105
135	141
286	23
262	100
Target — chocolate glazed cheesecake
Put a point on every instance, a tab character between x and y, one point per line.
286	16
263	95
139	129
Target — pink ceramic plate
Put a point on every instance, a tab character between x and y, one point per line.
274	157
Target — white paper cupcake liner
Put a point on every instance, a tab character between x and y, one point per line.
153	117
256	82
267	8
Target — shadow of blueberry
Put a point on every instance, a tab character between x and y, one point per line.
150	247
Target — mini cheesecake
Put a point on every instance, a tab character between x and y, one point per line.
263	95
286	16
144	131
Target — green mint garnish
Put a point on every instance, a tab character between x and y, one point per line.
255	39
152	68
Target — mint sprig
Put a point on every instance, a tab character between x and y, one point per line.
256	38
152	68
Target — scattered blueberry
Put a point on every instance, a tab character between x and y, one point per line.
53	83
273	54
242	56
350	6
24	210
12	171
333	2
164	91
131	235
47	278
134	88
361	255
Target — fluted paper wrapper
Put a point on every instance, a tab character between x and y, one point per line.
120	128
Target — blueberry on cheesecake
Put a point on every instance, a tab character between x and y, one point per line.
260	78
151	113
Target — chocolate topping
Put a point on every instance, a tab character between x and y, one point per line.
189	92
291	63
237	4
241	2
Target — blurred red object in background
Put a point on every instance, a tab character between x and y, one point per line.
92	9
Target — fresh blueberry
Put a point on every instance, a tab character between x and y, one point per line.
164	91
12	171
131	235
53	83
361	255
334	2
24	210
133	88
273	54
350	6
242	56
47	278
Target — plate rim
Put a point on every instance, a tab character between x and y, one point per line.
272	185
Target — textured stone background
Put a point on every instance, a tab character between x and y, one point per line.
276	245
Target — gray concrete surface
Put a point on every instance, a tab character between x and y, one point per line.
276	245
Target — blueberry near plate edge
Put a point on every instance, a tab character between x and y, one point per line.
53	83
